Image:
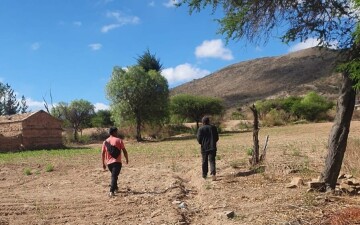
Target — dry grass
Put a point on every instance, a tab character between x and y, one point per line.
351	162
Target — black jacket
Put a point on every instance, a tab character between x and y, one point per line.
207	136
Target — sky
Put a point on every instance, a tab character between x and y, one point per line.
69	47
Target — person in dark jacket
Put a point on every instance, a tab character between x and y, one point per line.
207	137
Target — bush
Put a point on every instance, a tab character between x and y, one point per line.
275	118
312	107
49	168
99	135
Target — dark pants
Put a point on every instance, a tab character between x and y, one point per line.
208	157
115	169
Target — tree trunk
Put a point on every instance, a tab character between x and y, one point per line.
76	138
197	125
138	129
255	153
339	133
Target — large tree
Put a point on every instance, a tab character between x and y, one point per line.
77	114
149	61
334	23
194	107
138	96
9	104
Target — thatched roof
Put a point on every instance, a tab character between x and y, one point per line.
18	117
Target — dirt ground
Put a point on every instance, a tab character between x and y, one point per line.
163	175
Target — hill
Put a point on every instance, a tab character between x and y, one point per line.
291	74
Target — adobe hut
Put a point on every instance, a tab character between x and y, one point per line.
37	130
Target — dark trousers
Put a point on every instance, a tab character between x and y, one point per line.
208	157
115	169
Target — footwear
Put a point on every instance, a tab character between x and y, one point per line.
111	194
116	190
213	178
205	177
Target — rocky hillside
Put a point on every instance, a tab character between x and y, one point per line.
292	74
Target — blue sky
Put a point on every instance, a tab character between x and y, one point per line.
71	46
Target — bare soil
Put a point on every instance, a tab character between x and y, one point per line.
160	173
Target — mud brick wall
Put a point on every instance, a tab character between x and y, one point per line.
39	131
8	144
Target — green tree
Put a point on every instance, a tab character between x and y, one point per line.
332	22
138	97
194	107
23	107
149	62
9	103
312	106
102	118
2	97
77	114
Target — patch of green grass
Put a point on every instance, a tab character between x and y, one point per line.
66	153
49	168
27	171
249	151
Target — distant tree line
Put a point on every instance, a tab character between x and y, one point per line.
9	104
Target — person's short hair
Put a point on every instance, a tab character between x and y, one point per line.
205	120
112	130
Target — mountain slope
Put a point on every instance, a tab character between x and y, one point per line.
292	74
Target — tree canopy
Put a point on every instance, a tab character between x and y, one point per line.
149	61
138	96
77	114
9	104
195	107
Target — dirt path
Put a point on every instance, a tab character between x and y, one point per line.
154	184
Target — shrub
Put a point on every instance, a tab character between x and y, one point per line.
49	168
249	151
312	107
275	118
27	171
99	135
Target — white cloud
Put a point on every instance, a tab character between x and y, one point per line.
95	46
171	3
184	72
109	27
309	43
77	23
152	4
258	49
213	49
34	105
120	20
35	46
101	106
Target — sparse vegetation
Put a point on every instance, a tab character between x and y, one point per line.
49	168
27	171
352	157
